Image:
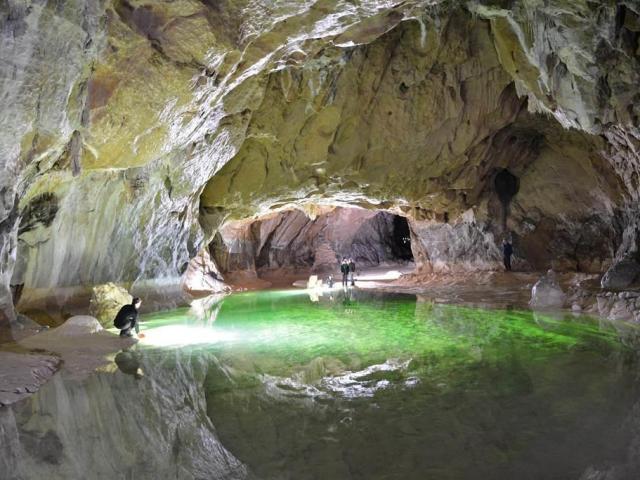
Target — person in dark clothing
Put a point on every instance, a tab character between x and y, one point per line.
127	318
344	268
507	251
352	271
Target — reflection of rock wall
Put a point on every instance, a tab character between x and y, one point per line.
111	425
293	240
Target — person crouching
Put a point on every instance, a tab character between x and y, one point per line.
127	318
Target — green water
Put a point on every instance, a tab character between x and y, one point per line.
362	385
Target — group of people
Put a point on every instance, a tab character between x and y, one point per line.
348	270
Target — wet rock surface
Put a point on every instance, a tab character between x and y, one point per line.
151	427
81	342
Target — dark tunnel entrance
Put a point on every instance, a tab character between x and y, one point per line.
506	185
401	239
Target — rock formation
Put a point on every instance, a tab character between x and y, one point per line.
106	301
132	130
292	240
547	293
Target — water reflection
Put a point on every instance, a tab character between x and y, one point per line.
128	362
356	385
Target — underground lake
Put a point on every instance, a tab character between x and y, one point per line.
345	384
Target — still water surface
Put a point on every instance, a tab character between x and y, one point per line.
380	386
347	385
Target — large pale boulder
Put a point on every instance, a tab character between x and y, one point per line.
202	276
106	300
78	325
547	293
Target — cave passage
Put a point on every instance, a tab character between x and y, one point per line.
507	186
292	241
401	239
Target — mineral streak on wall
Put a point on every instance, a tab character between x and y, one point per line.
131	129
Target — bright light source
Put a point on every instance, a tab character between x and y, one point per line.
183	335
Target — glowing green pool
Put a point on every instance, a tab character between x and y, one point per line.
368	386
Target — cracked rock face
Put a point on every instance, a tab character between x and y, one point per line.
132	129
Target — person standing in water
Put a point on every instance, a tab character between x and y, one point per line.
344	268
127	318
507	251
352	271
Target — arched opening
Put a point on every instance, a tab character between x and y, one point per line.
401	239
291	244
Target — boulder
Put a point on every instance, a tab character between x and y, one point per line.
314	282
547	293
78	325
202	276
106	301
621	274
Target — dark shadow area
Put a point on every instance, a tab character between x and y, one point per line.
507	186
401	239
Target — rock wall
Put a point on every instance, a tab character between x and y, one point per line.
132	130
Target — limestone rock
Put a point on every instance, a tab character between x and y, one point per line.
547	293
78	325
81	342
617	306
314	282
621	274
106	301
291	239
202	276
166	428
